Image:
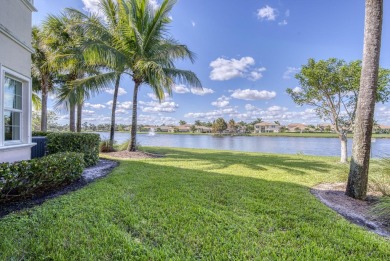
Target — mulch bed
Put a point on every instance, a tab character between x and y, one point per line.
102	169
356	211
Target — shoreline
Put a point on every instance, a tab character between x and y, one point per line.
285	134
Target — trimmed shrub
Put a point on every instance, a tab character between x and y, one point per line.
31	177
86	143
39	133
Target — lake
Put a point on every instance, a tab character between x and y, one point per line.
279	145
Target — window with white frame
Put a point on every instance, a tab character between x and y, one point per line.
12	111
15	108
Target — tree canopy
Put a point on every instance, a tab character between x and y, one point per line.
332	87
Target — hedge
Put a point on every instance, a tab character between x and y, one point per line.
86	143
31	177
39	133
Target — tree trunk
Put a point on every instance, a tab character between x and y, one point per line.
72	111
133	141
358	173
44	90
79	116
344	149
114	101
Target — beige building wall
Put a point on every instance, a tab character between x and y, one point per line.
15	61
15	35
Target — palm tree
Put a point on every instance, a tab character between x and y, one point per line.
43	74
101	35
143	49
358	174
65	39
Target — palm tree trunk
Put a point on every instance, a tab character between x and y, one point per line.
133	141
45	88
79	116
72	111
358	173
114	101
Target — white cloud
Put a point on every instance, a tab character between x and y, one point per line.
204	91
382	115
123	105
158	107
180	88
249	94
193	23
256	74
91	6
88	112
250	107
267	13
212	115
94	106
153	4
221	102
121	91
122	111
224	69
154	97
277	108
297	89
156	120
283	22
291	71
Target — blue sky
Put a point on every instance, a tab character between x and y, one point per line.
247	55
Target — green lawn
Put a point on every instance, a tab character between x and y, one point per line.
195	204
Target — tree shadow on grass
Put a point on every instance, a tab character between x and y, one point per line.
155	211
294	164
216	207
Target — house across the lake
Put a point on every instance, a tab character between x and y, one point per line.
264	127
15	79
296	127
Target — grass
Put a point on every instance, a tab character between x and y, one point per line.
195	204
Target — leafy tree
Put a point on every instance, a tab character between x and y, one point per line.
368	95
232	125
332	87
36	120
193	128
181	122
258	120
198	123
283	129
250	128
219	125
277	122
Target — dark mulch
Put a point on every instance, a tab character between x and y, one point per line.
356	211
102	169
